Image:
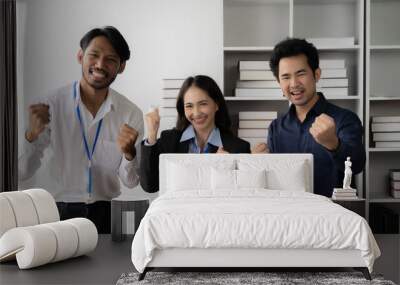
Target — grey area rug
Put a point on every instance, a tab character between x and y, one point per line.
229	278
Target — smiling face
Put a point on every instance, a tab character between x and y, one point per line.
298	81
100	63
199	109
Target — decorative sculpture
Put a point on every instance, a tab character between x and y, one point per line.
347	174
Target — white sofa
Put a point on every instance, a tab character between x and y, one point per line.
31	231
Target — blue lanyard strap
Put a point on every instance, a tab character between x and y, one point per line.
89	154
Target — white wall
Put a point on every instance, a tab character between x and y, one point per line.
173	38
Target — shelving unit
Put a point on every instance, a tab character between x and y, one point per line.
253	27
382	50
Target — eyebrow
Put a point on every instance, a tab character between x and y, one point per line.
96	50
297	72
198	102
301	70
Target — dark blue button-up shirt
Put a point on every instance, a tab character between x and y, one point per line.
288	135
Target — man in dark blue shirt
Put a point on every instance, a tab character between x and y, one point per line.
312	124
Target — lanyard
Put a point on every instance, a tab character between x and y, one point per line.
89	154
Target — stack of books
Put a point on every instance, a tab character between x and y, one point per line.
344	194
168	113
335	42
395	182
256	80
386	131
334	80
253	126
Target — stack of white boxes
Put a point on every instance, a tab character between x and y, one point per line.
344	194
395	182
256	80
253	126
386	131
168	113
333	81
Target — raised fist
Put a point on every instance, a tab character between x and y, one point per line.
153	123
39	117
260	148
323	131
126	141
221	150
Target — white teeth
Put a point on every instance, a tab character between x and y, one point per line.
201	120
98	74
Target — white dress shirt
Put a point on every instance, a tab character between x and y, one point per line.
68	163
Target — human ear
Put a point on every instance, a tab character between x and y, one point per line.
79	56
122	67
317	74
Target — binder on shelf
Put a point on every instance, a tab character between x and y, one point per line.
258	115
257	84
395	184
393	144
334	91
332	41
168	102
254	124
334	73
170	93
256	75
395	193
255	133
333	82
385	127
386	136
254	65
264	65
258	92
332	63
386	119
394	174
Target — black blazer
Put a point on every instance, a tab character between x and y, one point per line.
169	143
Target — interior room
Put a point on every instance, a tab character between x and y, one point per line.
45	46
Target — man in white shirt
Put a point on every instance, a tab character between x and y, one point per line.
93	132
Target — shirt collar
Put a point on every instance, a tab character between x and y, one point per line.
105	107
214	138
318	108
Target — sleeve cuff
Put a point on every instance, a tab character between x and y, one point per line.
127	164
39	144
146	143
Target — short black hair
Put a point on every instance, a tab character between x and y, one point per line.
114	37
292	47
207	84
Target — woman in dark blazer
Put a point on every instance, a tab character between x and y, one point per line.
203	126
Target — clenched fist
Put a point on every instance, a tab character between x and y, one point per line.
221	150
323	131
153	123
126	141
39	117
260	148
